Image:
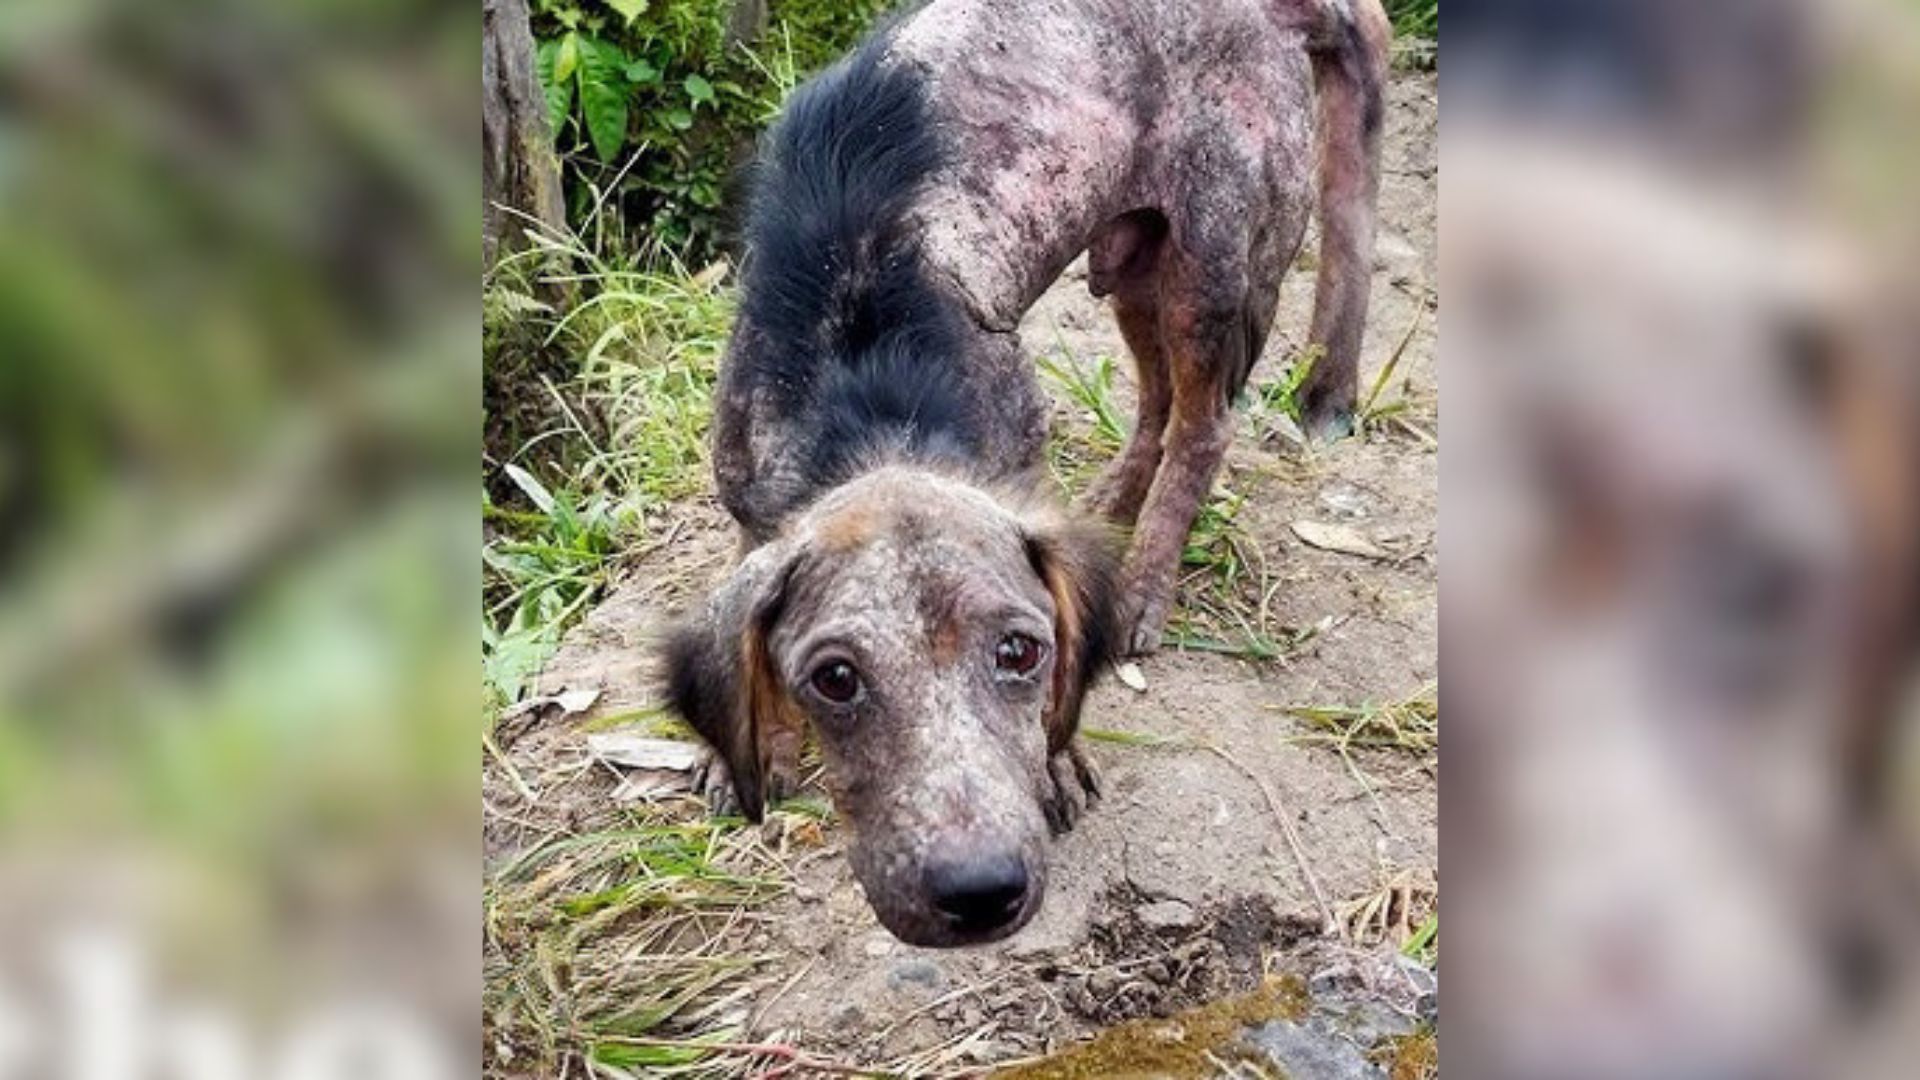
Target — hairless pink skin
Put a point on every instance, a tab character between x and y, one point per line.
1173	140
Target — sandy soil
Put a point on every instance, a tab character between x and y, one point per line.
1181	884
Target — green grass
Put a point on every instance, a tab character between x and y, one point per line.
1411	724
622	360
1415	18
1416	31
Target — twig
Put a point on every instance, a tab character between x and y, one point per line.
1293	838
760	1012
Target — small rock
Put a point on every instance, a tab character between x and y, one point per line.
848	1017
1346	499
921	973
1083	1000
1368	1022
1103	982
1168	915
1130	674
1157	971
1305	1053
806	894
879	945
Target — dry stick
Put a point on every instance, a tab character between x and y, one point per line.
1293	838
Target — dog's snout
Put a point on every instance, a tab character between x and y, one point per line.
978	894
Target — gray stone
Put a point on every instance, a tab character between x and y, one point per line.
1103	982
1307	1053
1168	915
922	973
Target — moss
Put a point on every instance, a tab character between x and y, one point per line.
1176	1046
1413	1057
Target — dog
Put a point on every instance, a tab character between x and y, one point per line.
909	591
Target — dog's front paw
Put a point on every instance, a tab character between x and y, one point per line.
1076	788
713	784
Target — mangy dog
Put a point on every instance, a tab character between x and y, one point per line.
908	593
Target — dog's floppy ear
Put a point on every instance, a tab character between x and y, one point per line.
721	679
1079	560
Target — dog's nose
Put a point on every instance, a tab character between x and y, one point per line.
978	894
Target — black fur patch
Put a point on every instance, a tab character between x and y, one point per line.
862	349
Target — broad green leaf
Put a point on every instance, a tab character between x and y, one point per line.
603	95
679	119
699	89
557	88
566	59
642	72
628	9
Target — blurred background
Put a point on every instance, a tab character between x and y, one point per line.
1679	538
239	402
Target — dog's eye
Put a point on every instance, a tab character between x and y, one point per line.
1017	654
836	681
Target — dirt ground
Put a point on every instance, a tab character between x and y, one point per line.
1181	886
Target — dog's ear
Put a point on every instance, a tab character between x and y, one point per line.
720	676
1079	560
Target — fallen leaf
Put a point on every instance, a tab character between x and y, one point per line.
1132	676
632	751
573	701
1341	539
647	784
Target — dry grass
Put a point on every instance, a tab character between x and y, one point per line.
618	949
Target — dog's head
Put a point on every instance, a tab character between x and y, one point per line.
938	639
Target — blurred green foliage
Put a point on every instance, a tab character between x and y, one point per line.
236	423
654	104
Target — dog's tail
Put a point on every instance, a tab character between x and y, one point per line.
1349	43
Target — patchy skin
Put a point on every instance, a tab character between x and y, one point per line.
1176	142
945	757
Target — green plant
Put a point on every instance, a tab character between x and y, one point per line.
627	386
654	105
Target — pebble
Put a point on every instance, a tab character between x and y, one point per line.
1168	915
1306	1053
1103	982
915	972
879	945
1346	499
1157	971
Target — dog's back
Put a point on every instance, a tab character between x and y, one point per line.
919	196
